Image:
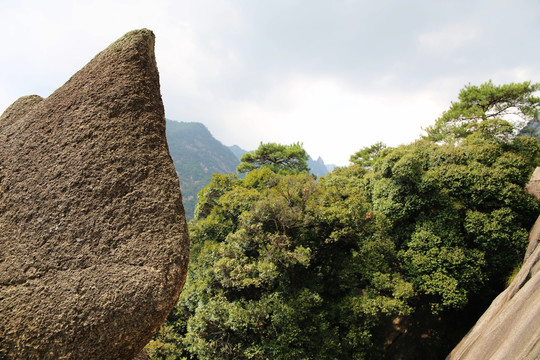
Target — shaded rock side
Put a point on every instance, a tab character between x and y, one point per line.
94	244
510	327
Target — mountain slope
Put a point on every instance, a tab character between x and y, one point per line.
196	155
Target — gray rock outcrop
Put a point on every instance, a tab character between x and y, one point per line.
93	240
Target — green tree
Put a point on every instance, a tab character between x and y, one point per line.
279	158
279	265
515	103
459	217
366	156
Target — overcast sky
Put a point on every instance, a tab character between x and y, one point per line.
335	75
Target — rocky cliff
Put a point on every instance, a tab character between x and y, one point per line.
510	328
94	244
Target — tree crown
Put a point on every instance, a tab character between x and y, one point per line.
277	157
515	103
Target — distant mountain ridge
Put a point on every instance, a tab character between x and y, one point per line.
237	151
317	167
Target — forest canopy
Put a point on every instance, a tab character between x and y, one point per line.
397	254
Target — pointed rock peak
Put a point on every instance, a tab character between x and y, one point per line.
94	240
141	36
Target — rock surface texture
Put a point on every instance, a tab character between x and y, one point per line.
93	241
510	328
533	188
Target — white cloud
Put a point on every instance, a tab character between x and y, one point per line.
331	119
449	39
516	74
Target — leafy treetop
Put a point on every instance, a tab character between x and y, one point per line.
515	103
366	156
281	159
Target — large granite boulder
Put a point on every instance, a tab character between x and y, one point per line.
510	327
93	239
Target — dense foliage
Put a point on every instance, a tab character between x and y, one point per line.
393	256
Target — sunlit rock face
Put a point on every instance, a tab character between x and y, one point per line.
93	239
